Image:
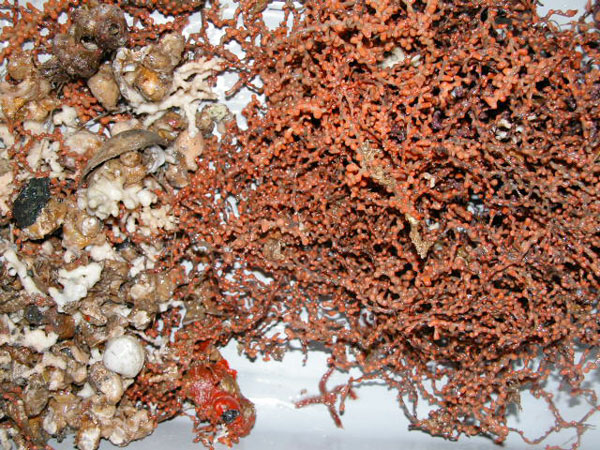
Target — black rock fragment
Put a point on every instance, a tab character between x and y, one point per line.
30	202
33	315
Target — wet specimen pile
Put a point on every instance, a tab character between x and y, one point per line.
417	193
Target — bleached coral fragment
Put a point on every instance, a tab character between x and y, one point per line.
138	265
396	56
76	283
158	218
19	268
103	252
6	189
83	142
150	220
104	196
114	183
44	155
7	138
67	116
35	127
38	339
188	88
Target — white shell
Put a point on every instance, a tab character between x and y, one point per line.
124	355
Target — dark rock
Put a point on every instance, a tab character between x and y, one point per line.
33	315
30	202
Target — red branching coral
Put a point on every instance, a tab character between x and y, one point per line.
420	190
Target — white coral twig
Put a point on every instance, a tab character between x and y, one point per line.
188	90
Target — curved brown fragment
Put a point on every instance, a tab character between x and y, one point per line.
127	141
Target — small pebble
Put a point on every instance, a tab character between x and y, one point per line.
124	355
